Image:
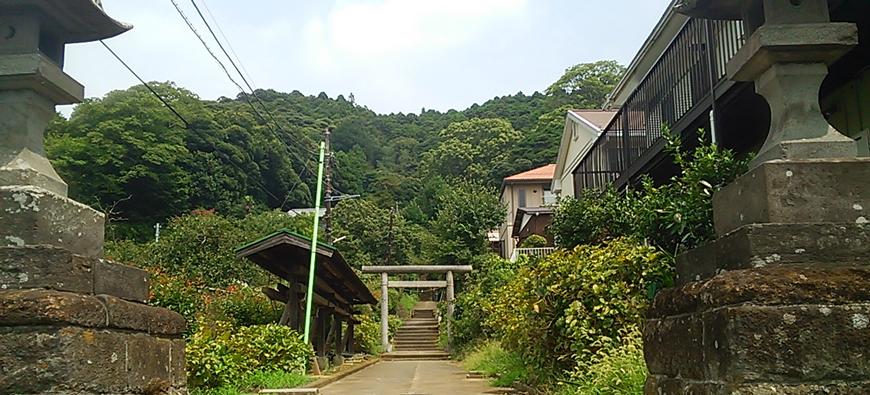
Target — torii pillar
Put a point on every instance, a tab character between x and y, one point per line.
780	302
70	322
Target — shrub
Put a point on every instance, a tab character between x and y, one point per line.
243	306
221	355
368	335
571	304
674	217
492	272
182	296
620	370
504	367
202	246
534	241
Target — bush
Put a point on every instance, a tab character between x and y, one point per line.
570	305
621	370
504	367
492	272
222	355
534	241
674	217
202	246
243	306
185	297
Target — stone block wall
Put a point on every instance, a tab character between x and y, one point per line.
71	324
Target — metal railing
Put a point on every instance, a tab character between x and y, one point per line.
679	88
539	252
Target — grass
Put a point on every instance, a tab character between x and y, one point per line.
619	371
505	367
275	380
256	381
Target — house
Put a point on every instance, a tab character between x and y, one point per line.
678	81
582	128
526	196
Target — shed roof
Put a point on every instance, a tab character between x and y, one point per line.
286	254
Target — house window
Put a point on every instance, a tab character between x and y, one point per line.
521	198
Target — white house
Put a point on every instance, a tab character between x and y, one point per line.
582	128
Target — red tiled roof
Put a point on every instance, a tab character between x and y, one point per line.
599	118
541	173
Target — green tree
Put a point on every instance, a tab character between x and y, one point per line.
477	149
586	85
466	212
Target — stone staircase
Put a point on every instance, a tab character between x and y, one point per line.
417	338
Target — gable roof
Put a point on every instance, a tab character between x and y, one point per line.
592	123
543	173
597	118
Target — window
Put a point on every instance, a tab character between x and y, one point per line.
521	198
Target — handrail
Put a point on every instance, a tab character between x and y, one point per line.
678	86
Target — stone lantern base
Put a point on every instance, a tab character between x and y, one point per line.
780	303
73	324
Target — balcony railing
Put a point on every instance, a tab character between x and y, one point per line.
680	87
539	252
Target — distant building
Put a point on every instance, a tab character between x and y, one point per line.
582	128
527	197
293	212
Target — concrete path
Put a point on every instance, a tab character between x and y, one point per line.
409	377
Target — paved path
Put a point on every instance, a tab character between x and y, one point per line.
408	377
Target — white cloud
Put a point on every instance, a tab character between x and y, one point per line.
371	30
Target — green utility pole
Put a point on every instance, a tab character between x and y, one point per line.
310	295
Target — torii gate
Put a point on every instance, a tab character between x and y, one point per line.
386	284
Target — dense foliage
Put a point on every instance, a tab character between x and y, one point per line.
566	307
675	216
221	354
201	247
132	158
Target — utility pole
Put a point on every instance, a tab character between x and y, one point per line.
390	237
327	218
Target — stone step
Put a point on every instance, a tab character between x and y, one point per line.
416	341
407	338
415	356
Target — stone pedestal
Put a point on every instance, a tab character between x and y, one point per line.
75	324
780	303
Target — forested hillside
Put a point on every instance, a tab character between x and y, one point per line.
130	156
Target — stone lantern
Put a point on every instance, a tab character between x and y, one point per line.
70	322
779	303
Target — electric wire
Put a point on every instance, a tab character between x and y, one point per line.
180	117
244	95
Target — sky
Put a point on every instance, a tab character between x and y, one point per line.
393	55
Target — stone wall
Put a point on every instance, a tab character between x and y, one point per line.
72	324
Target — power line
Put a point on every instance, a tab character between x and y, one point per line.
229	43
192	28
236	67
180	117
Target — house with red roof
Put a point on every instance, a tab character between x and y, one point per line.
528	199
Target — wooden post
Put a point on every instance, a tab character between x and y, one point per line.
350	346
321	330
336	330
385	312
450	309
